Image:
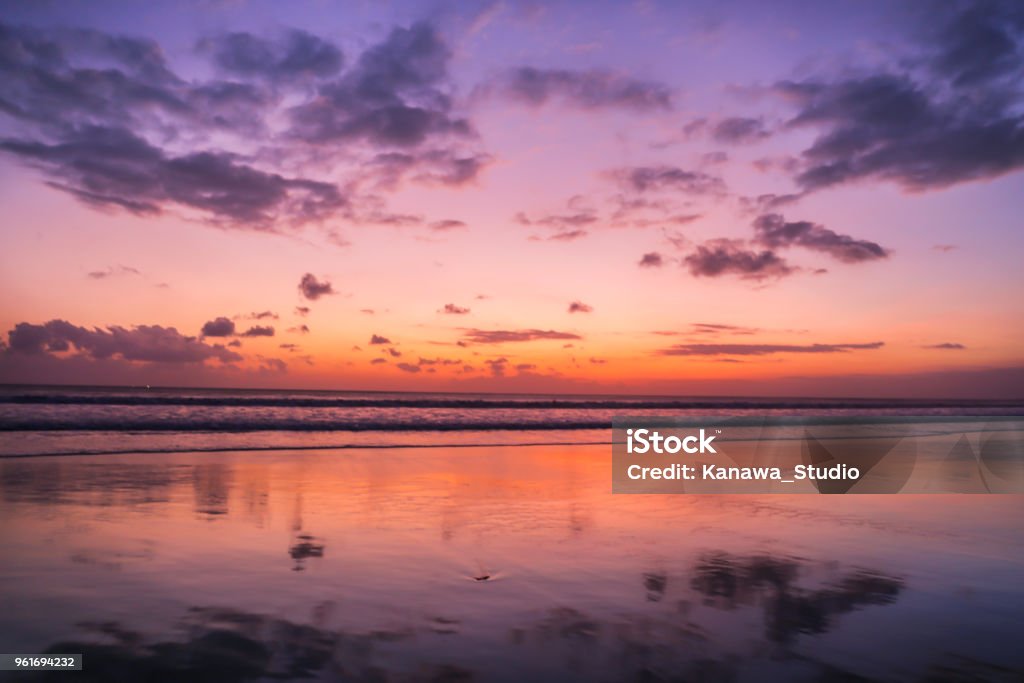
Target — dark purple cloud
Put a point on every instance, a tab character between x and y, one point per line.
302	311
313	289
762	349
377	339
772	230
259	331
580	307
566	220
979	43
590	89
955	121
218	327
146	343
407	367
452	309
394	95
737	130
446	224
378	361
671	178
507	336
133	135
946	346
430	167
113	167
651	260
263	315
292	57
720	257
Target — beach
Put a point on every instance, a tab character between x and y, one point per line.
491	563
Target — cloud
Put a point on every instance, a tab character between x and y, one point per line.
392	96
108	166
294	56
259	331
432	167
765	203
440	361
508	336
955	121
651	260
447	224
145	343
562	236
980	45
497	366
299	329
657	178
393	352
376	339
313	289
762	349
112	271
107	121
590	89
772	230
302	311
263	315
719	328
568	220
378	361
218	327
946	346
738	130
580	307
452	309
273	365
945	248
408	367
729	257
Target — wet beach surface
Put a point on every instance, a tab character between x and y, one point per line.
493	563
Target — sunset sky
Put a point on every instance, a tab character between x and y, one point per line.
783	198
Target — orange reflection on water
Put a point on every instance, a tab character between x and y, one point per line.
506	563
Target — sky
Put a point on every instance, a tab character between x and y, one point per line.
701	198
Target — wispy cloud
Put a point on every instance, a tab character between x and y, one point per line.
476	336
762	349
586	89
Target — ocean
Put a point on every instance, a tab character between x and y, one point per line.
95	420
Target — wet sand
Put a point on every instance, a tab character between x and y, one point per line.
492	564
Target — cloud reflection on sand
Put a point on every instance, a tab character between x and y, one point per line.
184	566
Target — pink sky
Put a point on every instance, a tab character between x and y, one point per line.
142	191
